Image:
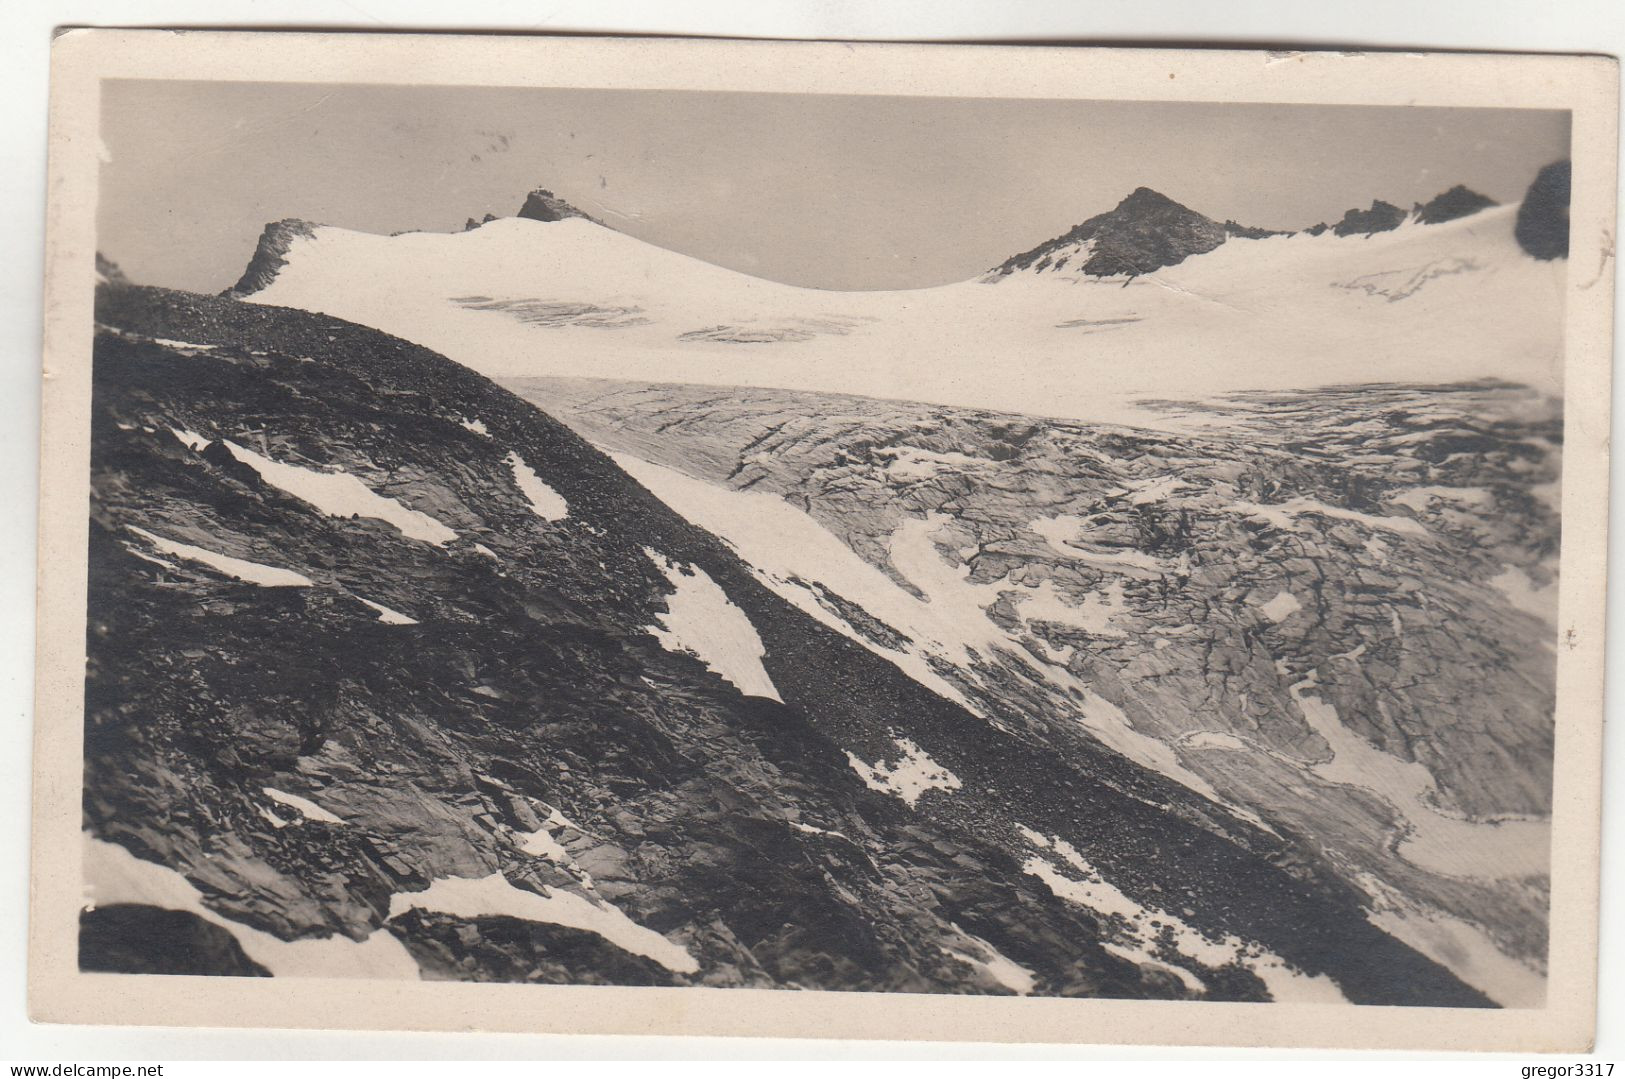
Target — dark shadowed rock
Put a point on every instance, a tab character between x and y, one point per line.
1459	201
1381	217
131	938
1144	232
270	254
543	205
1388	564
1543	219
108	272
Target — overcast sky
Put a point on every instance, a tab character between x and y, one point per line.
827	191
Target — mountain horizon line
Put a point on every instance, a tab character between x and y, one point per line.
1144	232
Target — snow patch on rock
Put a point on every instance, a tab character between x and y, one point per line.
1065	536
911	464
1521	591
305	806
1284	516
388	615
340	494
701	620
785	546
981	955
1460	946
495	896
1093	613
1135	930
908	779
1431	839
190	439
1420	499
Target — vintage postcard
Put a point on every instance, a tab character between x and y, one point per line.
653	536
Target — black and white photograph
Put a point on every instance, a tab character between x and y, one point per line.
1086	545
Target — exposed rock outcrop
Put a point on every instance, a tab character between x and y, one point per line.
1459	201
1543	218
108	272
542	205
1148	231
1380	217
131	938
270	254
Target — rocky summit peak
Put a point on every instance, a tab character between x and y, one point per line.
1146	231
542	205
1381	217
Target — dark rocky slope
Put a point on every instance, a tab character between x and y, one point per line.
526	696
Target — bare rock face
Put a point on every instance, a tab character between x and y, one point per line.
131	938
1543	218
453	726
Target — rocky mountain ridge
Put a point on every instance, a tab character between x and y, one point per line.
1148	231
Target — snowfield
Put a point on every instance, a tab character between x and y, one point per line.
1276	313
